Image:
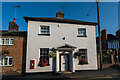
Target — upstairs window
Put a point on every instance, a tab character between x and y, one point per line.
81	32
6	61
6	41
44	30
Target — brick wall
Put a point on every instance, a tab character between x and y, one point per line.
16	51
13	27
118	33
104	45
107	65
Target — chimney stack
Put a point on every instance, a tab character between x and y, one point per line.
103	35
13	27
60	14
118	33
14	20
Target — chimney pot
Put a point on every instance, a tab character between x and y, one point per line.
14	20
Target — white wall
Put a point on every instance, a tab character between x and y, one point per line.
69	31
114	44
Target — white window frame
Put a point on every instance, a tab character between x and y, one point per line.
44	30
44	54
81	29
8	57
1	41
86	58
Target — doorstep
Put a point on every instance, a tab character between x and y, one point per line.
65	72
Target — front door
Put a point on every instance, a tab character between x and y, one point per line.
64	62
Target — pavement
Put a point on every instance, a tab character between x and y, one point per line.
107	73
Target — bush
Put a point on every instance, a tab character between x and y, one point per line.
4	52
43	63
52	54
77	54
83	61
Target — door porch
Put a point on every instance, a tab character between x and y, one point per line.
65	58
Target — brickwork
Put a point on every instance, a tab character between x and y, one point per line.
104	35
118	33
104	46
104	39
105	65
16	51
13	27
60	14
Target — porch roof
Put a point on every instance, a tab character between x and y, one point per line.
66	47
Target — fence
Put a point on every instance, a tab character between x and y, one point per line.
106	59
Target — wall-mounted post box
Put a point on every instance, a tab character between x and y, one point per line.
32	64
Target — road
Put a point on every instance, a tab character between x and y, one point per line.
108	77
112	73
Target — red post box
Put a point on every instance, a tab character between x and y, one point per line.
32	64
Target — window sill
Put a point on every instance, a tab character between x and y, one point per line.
75	57
48	64
6	65
6	44
83	64
81	36
44	34
41	66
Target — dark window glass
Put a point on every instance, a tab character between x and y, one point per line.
10	61
81	32
44	54
45	30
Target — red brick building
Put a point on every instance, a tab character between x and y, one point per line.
105	38
110	48
13	50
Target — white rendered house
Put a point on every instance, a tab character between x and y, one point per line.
65	37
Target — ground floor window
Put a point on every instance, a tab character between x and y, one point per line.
6	61
44	55
83	56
